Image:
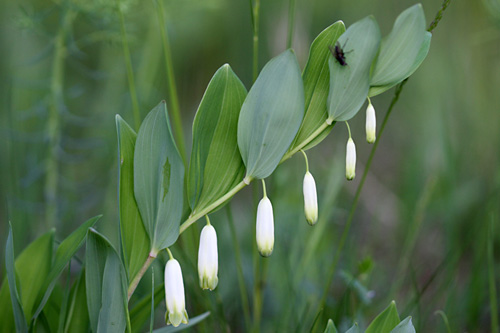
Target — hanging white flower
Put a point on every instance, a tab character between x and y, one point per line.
174	294
207	258
310	199
265	227
350	160
371	123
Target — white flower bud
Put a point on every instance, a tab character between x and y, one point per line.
350	160
265	227
207	258
371	123
174	294
310	199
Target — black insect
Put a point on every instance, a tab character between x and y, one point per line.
338	53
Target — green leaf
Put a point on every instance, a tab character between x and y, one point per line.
77	317
405	326
216	165
354	329
19	316
181	327
135	241
401	51
271	115
376	90
330	327
95	261
349	84
158	179
113	314
316	77
385	321
64	253
106	285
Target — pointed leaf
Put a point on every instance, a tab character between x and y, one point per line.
64	253
113	314
77	318
181	327
135	241
271	115
349	84
405	326
401	51
354	329
158	179
376	90
330	327
385	321
216	165
316	79
19	316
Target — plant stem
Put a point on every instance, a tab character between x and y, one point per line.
291	21
491	277
255	19
304	143
151	257
172	87
54	122
239	268
194	217
130	71
345	232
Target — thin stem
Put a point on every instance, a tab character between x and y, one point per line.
172	87
345	232
208	220
304	143
305	158
138	277
348	129
54	121
194	217
256	12
491	277
169	253
130	71
239	268
291	21
264	188
439	15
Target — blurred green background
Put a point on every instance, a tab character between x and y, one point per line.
420	232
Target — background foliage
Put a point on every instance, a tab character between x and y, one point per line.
420	232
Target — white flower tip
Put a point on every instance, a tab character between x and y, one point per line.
265	227
310	199
350	160
174	294
208	258
371	124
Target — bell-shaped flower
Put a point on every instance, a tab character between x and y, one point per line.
310	199
350	160
371	123
265	227
174	294
207	258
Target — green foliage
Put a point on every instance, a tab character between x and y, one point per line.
316	79
158	179
216	165
77	316
135	241
330	327
349	84
385	321
271	115
106	285
402	51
